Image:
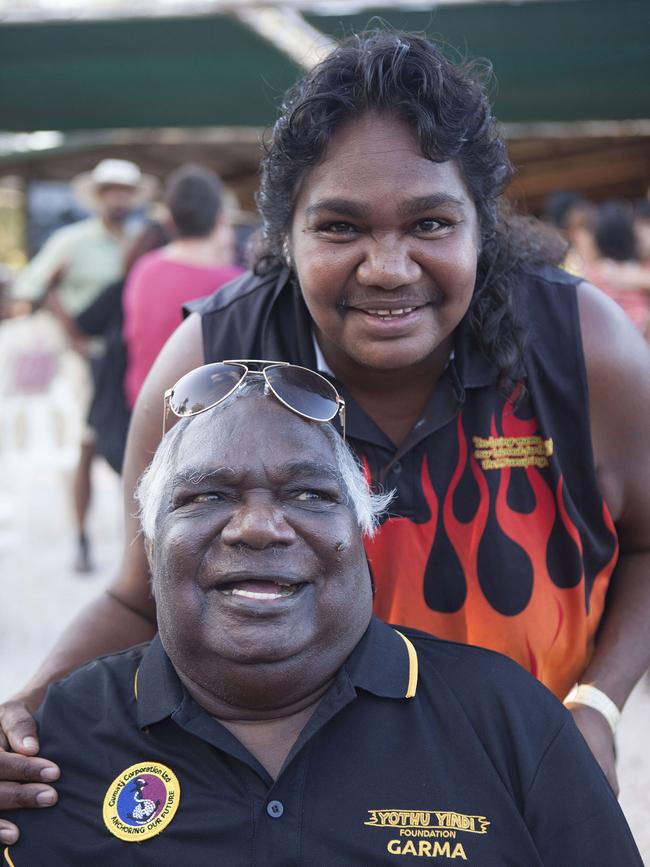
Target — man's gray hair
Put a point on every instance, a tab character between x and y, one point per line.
152	487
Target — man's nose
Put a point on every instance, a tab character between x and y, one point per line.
258	523
388	264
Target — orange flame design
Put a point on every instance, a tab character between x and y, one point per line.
398	556
552	634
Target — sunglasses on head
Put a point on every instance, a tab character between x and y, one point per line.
301	390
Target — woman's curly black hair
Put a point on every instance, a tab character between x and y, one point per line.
446	105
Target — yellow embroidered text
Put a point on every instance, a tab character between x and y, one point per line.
495	453
427	823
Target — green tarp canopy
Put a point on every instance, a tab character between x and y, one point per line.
554	61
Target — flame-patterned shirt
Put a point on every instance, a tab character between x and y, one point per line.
498	535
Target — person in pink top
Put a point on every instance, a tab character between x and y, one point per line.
618	271
194	264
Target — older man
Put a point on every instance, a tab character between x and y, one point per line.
274	721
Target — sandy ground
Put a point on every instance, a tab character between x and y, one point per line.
41	593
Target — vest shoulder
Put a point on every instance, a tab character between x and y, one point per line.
551	275
546	304
540	286
244	292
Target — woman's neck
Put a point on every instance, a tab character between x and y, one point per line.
394	399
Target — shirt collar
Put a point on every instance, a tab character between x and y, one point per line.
321	364
384	663
158	690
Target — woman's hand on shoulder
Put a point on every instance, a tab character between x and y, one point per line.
23	775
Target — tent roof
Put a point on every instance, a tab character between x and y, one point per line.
202	71
554	60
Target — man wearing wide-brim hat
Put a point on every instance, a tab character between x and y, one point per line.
83	258
74	266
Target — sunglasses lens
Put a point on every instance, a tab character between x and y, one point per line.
304	391
204	387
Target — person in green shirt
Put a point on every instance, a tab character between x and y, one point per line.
70	271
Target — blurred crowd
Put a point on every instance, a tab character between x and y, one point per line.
608	245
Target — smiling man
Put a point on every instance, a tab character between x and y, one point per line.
274	720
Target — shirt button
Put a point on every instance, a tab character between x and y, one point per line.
275	809
396	468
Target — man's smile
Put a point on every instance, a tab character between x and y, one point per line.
260	589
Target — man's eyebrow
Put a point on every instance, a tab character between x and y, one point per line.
410	207
310	468
194	475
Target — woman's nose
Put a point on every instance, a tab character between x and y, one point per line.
388	264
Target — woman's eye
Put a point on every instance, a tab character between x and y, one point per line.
431	225
337	228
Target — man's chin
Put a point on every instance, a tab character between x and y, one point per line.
263	643
267	652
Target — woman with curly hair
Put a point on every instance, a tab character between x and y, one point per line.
502	399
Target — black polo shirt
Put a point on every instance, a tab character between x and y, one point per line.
498	535
420	750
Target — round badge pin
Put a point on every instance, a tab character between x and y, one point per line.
141	801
